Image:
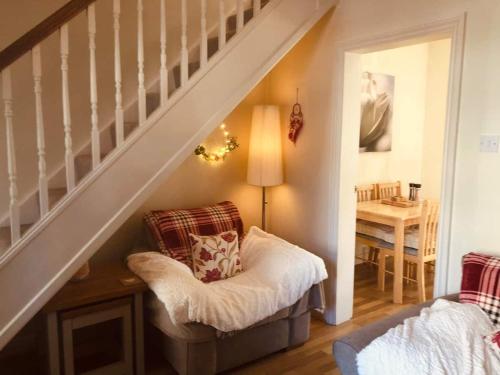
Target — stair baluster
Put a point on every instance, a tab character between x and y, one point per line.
118	75
184	49
163	55
43	190
222	24
256	7
95	136
140	62
15	224
203	43
68	143
240	15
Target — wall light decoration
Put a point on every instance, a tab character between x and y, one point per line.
220	152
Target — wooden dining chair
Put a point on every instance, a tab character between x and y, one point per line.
387	190
366	193
425	253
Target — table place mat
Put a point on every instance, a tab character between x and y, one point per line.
404	204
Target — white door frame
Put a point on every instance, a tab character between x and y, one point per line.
342	201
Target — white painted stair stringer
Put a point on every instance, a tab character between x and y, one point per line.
41	262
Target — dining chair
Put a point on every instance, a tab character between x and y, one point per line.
388	190
426	252
366	192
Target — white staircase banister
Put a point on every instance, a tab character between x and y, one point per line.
141	92
68	142
43	190
15	224
118	75
222	24
95	135
203	43
163	55
256	7
240	15
184	49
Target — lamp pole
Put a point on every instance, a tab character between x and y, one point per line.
264	203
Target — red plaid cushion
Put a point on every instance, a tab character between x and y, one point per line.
171	228
481	283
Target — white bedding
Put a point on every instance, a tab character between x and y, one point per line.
276	275
447	338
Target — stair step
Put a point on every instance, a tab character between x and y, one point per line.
212	46
231	22
83	165
128	128
55	196
152	102
176	71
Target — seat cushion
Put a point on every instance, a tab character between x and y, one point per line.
481	283
386	233
170	228
408	250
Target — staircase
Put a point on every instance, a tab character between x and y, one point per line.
125	161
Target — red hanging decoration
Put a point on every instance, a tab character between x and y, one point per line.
296	121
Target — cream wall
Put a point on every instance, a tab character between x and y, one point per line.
300	206
198	183
438	67
404	162
419	117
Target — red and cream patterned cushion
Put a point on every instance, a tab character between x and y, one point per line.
493	341
171	228
215	257
481	283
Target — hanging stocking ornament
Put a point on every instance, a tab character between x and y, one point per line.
296	121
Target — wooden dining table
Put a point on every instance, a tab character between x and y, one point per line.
399	218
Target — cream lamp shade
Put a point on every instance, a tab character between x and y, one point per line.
265	167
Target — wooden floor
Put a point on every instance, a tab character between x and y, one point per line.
315	357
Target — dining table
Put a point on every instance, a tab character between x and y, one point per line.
399	218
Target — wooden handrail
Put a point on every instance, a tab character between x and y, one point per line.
41	31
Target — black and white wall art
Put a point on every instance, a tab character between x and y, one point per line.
377	99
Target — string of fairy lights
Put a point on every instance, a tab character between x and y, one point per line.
219	154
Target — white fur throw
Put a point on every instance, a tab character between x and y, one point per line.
447	338
276	274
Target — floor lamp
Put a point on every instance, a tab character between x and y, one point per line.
265	167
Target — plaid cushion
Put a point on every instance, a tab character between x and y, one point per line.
171	228
481	283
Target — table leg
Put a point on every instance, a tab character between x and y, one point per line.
53	343
399	234
139	334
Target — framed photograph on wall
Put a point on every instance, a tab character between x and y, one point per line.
377	100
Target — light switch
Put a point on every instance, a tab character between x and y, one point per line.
489	143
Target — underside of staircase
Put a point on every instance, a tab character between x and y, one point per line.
79	222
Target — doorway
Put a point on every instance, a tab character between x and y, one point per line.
358	58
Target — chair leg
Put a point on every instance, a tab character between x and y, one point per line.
370	256
421	282
381	270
